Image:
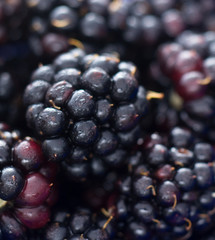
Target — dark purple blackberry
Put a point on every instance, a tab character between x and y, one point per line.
164	196
27	185
86	107
77	224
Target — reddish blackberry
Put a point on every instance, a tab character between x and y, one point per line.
189	68
86	108
169	191
27	185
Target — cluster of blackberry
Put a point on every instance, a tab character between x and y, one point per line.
107	119
168	193
28	185
189	72
144	23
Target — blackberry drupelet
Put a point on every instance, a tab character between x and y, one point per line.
27	185
86	108
168	192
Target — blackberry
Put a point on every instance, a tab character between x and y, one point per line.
189	68
138	24
79	223
86	107
27	184
168	190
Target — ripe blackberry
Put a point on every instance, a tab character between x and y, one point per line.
168	191
86	108
27	185
78	224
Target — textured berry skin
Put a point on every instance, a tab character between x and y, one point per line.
37	86
12	182
90	102
27	185
165	195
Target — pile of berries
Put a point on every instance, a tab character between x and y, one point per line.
107	120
